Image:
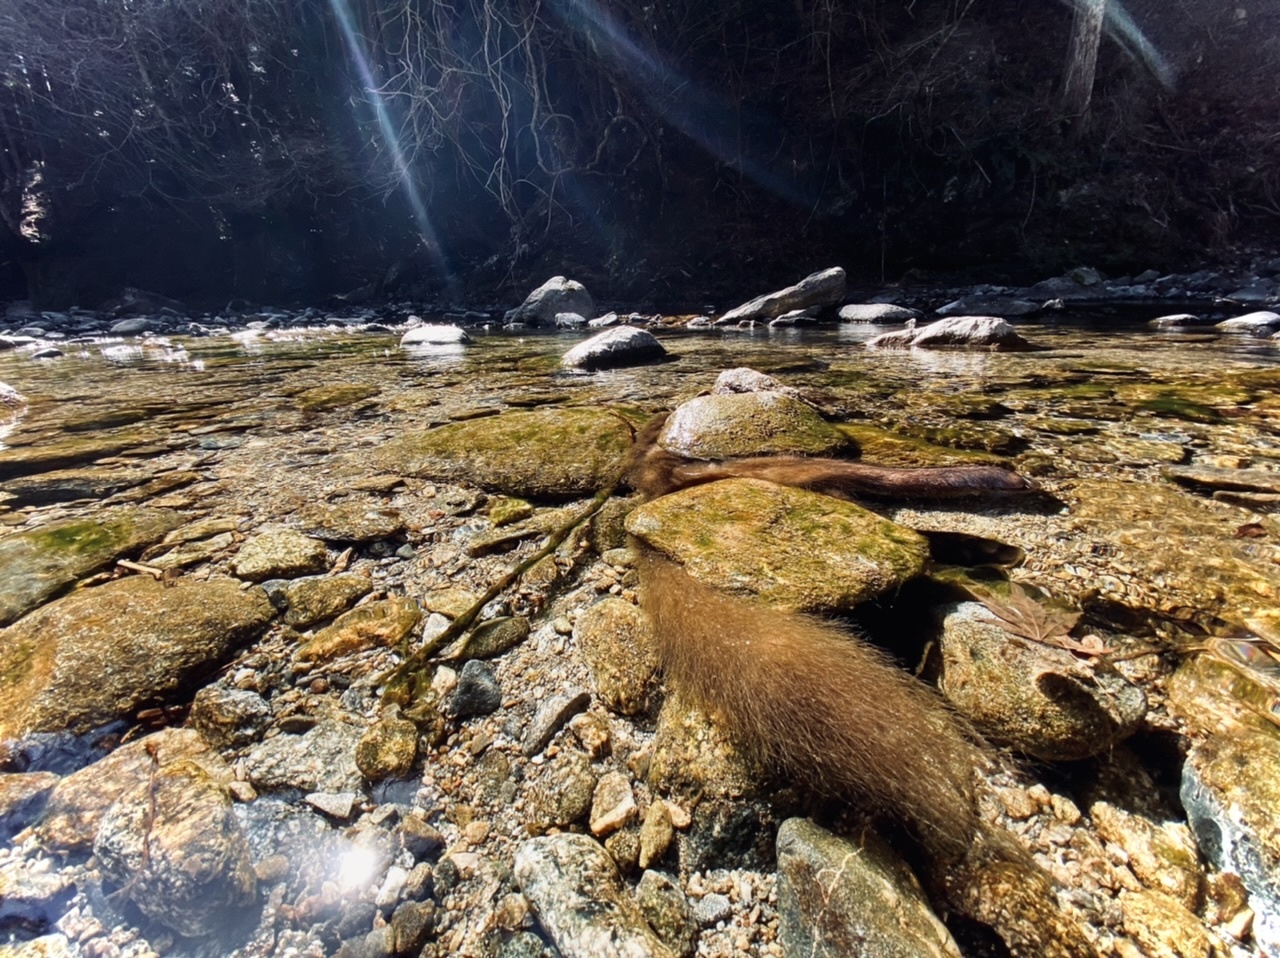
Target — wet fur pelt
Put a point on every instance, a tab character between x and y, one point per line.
813	701
828	710
654	472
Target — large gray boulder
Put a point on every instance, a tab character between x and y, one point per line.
556	295
957	332
825	288
619	346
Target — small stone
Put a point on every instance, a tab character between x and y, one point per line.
617	641
551	716
229	718
495	636
339	805
420	839
564	792
314	600
574	888
712	908
392	887
592	733
411	926
387	750
320	760
476	832
656	833
280	554
666	908
477	692
383	622
613	804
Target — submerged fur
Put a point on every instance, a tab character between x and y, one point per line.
818	704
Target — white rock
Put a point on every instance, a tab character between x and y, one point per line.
876	313
434	334
1259	322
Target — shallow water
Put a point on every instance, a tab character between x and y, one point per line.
1095	418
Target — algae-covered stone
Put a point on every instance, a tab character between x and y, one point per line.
74	451
728	425
1164	928
837	897
1163	857
313	600
384	622
387	750
37	564
102	653
539	453
1037	698
563	793
797	550
354	519
616	639
886	448
692	755
280	554
63	485
333	396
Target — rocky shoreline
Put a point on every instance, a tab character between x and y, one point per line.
204	601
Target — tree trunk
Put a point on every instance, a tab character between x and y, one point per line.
1082	56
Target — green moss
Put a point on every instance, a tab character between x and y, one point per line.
333	396
1171	406
886	448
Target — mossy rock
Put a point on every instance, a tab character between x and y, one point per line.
38	564
885	448
75	451
544	453
333	396
727	426
797	550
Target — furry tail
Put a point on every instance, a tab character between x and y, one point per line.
819	705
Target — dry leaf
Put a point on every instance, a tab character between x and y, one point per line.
1023	616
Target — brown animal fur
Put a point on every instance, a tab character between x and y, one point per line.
655	472
825	708
812	700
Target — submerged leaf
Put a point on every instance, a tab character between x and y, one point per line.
1022	615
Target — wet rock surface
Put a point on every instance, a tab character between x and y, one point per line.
837	897
798	550
393	827
100	654
729	424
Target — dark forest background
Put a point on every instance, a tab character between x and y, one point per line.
668	151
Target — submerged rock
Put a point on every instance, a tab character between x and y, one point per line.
37	564
543	453
574	889
988	305
619	346
615	638
63	485
174	846
1037	698
824	288
957	332
78	802
320	760
728	425
838	898
556	295
280	554
383	622
797	550
100	654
